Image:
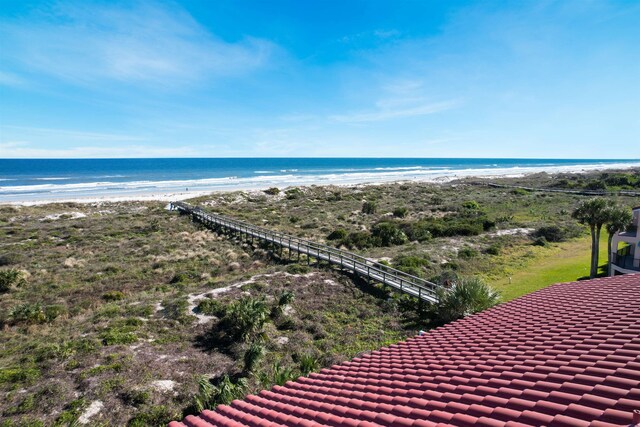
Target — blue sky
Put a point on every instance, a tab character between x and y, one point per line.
548	79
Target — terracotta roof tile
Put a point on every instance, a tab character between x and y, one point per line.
567	355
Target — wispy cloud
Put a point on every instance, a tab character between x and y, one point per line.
148	43
25	151
388	113
67	134
10	79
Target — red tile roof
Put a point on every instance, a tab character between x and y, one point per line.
566	355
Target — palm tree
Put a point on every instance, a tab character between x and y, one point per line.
619	218
594	213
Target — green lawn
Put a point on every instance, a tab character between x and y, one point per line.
566	262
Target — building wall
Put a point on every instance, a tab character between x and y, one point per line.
633	240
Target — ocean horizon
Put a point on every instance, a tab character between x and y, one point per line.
33	180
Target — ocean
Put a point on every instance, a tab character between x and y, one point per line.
32	180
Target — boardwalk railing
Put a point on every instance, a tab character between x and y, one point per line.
359	265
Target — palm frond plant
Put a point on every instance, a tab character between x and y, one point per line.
246	317
253	355
284	300
282	374
464	297
308	364
209	396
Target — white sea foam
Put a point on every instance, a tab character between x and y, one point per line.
53	178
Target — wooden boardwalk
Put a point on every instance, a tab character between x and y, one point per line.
356	264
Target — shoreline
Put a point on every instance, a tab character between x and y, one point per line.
353	180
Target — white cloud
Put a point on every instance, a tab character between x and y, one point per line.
148	43
388	113
19	152
384	34
10	79
68	134
13	144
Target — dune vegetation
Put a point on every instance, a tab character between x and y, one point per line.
128	314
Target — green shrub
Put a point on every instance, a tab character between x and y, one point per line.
273	191
279	375
154	226
369	207
554	233
135	397
307	364
411	264
297	269
466	223
388	234
209	396
52	312
471	205
119	335
27	405
446	278
183	277
504	219
28	313
335	196
113	296
461	228
294	193
20	375
10	278
464	297
467	253
620	180
253	355
488	224
212	307
9	259
519	192
156	416
400	212
540	241
359	239
245	318
176	309
494	249
596	185
337	234
284	299
418	231
69	416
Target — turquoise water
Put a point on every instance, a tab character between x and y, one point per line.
58	179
